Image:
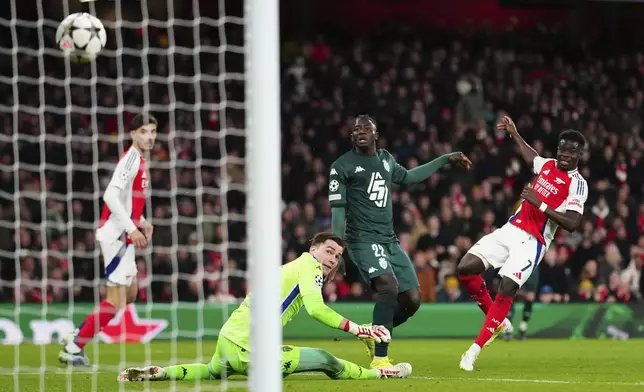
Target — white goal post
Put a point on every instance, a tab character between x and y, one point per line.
264	197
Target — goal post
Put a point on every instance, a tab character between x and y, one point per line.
264	191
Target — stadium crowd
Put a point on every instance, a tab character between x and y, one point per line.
430	93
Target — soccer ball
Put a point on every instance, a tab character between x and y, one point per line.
81	36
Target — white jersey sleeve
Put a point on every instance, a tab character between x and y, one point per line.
538	163
119	189
577	194
126	169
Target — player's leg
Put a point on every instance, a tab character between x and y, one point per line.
528	300
121	290
229	358
307	359
488	252
375	269
509	334
523	258
408	286
408	304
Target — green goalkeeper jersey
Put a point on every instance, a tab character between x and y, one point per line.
301	283
362	184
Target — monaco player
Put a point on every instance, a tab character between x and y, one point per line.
555	200
122	228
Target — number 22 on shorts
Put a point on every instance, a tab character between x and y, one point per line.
378	250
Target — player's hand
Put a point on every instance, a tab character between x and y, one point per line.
147	228
461	161
530	195
378	333
138	239
506	124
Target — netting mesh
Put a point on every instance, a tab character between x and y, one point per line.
62	134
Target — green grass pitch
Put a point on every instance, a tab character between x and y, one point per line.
533	365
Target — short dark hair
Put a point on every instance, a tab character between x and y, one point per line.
322	237
368	118
142	119
573	136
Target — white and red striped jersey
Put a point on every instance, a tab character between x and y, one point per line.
560	190
131	177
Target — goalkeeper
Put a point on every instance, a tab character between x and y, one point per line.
301	282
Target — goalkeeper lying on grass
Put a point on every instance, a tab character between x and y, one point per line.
301	282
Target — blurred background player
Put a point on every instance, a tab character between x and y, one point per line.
360	197
301	282
122	228
526	294
555	200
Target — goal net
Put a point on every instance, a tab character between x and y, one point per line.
63	130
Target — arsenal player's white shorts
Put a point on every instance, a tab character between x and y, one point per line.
120	264
516	252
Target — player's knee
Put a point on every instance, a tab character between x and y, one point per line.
385	287
508	287
328	358
470	265
410	300
130	297
131	293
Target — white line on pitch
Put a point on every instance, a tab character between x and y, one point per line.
515	380
508	380
527	380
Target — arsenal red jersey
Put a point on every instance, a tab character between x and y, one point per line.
560	190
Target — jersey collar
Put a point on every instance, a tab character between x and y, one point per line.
314	258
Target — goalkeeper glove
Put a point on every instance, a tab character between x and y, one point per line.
378	333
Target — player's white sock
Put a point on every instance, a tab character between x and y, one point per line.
523	326
377	357
475	348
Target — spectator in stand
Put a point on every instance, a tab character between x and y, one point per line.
451	291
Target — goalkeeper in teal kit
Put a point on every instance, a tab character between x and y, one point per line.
301	282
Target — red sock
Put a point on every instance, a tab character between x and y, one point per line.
94	322
499	310
475	287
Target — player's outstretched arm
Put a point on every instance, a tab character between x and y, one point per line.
317	309
528	153
423	172
310	283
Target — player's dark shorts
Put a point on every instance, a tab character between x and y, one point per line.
532	284
374	259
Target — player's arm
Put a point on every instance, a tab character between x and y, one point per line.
310	283
571	219
528	153
421	173
123	175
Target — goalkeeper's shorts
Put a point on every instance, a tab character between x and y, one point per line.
232	359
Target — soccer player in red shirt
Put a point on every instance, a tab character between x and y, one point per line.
555	199
122	228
